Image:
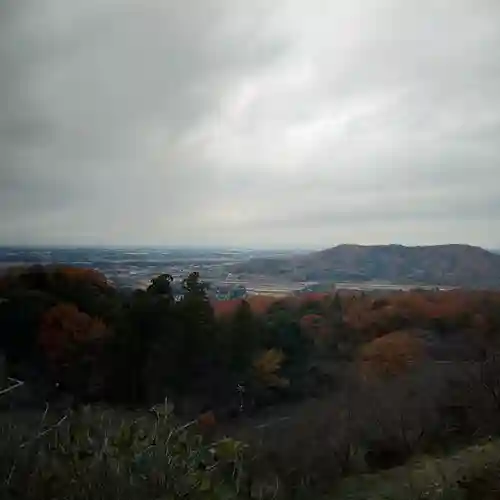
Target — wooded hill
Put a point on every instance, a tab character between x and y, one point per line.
448	265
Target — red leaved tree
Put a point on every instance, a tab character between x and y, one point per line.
71	340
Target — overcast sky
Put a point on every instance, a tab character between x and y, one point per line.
249	123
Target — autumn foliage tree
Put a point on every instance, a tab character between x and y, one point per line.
64	326
390	355
314	326
70	338
267	366
28	293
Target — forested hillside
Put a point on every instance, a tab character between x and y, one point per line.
449	265
313	388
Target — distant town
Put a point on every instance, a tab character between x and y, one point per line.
129	268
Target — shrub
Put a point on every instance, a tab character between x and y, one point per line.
90	454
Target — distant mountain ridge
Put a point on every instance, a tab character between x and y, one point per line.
447	265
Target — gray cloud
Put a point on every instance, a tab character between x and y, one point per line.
263	123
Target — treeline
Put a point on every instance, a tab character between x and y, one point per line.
68	330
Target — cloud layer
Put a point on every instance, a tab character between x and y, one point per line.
284	123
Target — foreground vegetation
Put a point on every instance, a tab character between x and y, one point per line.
90	454
335	396
469	473
101	453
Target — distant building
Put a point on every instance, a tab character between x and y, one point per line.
223	291
318	287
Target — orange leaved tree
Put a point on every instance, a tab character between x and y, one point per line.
70	339
390	355
63	326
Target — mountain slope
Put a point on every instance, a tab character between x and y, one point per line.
452	265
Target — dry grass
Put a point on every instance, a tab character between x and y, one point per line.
456	476
95	453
